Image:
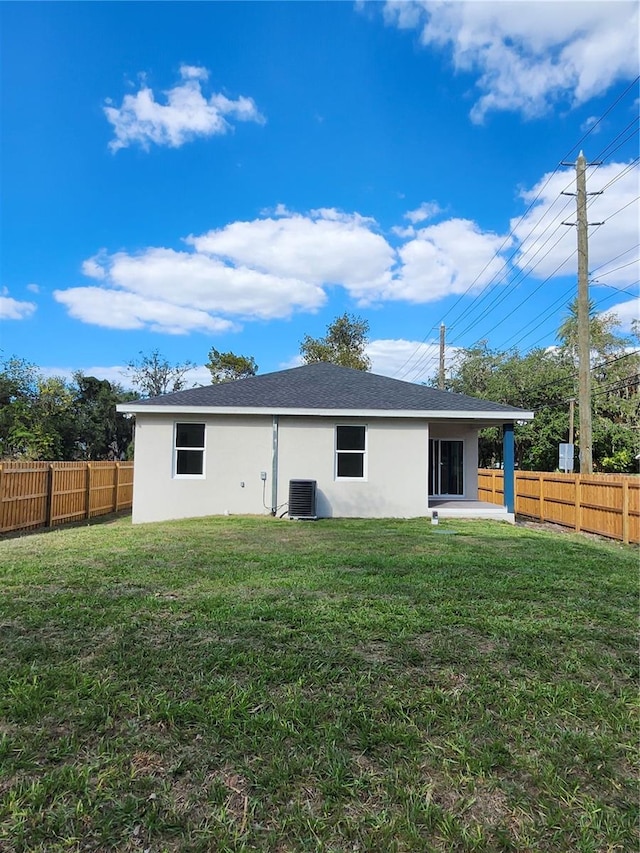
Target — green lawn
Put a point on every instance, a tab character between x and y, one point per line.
258	684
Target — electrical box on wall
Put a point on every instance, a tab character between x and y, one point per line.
263	475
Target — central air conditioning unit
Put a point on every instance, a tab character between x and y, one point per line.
302	499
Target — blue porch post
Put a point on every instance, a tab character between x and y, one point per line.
508	456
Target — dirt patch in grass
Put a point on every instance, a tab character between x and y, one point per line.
375	651
487	806
147	764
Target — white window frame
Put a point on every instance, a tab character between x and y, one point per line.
364	453
202	449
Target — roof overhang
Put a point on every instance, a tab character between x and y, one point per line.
491	417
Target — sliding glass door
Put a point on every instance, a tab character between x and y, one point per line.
446	470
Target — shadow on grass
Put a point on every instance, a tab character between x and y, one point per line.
85	522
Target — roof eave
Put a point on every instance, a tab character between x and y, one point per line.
428	414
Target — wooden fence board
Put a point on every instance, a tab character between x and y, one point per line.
605	504
41	494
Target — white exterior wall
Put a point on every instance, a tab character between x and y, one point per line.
469	435
396	466
239	447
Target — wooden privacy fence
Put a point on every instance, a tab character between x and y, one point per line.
606	504
44	494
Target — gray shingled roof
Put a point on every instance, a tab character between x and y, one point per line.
326	386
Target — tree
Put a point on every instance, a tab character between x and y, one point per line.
102	432
545	381
603	338
226	366
49	418
36	413
541	381
17	389
615	397
344	344
152	374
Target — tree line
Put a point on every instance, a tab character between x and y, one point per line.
545	380
53	418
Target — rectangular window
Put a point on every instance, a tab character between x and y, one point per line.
351	448
189	447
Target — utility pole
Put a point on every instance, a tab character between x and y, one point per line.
572	405
441	371
584	343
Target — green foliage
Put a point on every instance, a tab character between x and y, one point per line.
18	382
621	461
227	367
544	381
603	337
103	432
153	375
50	418
538	381
344	344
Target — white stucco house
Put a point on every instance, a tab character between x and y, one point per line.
365	445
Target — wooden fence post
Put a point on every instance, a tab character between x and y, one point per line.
88	492
541	495
117	487
49	499
625	511
578	500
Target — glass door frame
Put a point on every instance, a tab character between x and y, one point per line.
435	468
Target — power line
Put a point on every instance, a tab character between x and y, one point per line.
522	274
404	369
603	116
552	311
617	269
611	216
617	257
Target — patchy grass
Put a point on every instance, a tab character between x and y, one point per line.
257	684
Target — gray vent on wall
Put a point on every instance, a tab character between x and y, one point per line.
302	499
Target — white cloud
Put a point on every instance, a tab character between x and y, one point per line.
33	288
94	267
183	291
271	268
112	374
444	259
626	312
590	123
400	358
427	210
324	248
187	114
117	374
526	55
550	247
119	310
14	309
294	361
278	210
411	361
197	280
404	231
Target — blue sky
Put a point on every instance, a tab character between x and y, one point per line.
181	176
